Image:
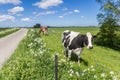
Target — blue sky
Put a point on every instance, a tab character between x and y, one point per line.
15	13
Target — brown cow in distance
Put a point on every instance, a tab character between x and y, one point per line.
44	30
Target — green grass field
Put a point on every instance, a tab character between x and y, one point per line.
34	59
105	56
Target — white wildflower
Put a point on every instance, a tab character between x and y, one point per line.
114	78
31	51
88	69
62	60
77	73
84	70
95	76
82	74
30	44
71	75
92	66
92	69
111	72
41	52
71	71
35	54
103	75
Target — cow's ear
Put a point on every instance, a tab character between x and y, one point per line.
94	36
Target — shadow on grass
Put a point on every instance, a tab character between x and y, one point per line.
74	57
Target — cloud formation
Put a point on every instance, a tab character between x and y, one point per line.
25	19
68	13
46	13
6	17
64	9
76	11
61	16
15	2
16	9
45	4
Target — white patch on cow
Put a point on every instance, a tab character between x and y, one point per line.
72	36
89	36
63	36
66	31
77	51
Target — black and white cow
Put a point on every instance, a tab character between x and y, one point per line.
74	42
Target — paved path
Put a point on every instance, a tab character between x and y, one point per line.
9	43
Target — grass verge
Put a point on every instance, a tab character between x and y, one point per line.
7	32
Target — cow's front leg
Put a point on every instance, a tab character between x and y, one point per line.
78	52
69	54
66	52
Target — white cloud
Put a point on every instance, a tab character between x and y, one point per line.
6	17
76	11
15	2
19	14
67	13
82	17
45	4
34	12
61	16
16	9
46	13
25	19
64	9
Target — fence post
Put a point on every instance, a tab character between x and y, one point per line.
56	67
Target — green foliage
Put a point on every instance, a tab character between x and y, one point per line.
108	21
31	61
5	32
116	41
34	60
37	25
107	32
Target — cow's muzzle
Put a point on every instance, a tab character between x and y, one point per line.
90	47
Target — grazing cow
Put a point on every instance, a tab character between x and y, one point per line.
74	42
44	30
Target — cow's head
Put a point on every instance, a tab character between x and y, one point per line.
65	34
88	40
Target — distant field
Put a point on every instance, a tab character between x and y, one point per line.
7	31
34	59
1	29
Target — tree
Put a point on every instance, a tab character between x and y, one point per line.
37	26
108	20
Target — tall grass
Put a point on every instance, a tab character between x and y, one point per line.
7	31
34	60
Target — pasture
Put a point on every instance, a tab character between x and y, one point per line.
34	59
98	53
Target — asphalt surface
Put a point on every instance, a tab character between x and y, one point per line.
9	43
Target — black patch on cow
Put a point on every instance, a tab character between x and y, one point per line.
85	40
67	40
64	35
78	42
